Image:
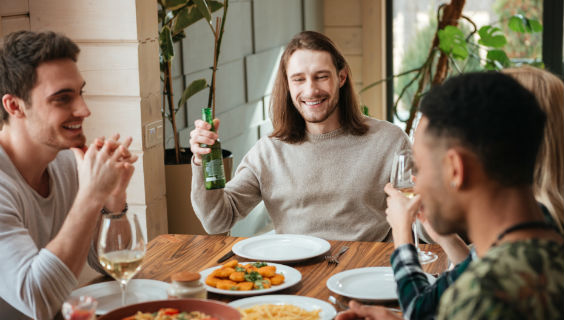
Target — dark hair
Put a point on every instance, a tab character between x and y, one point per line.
289	126
23	51
495	117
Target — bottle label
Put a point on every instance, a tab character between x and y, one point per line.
214	170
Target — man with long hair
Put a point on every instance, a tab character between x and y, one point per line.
322	170
50	200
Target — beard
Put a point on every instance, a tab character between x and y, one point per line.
447	224
321	113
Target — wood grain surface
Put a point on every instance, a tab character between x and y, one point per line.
168	254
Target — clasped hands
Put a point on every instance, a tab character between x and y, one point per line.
105	169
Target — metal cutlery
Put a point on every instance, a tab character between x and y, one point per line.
226	256
334	259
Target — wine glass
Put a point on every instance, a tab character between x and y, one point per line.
402	180
121	247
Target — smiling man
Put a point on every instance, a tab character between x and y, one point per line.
322	170
50	199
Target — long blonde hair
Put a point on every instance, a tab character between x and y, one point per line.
548	183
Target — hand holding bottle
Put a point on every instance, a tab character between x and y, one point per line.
208	151
202	134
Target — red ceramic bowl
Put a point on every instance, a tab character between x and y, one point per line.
215	309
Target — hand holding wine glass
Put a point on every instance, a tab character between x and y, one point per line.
402	180
121	247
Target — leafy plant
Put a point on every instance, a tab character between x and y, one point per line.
174	17
452	48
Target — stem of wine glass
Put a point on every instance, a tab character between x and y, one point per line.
415	235
123	286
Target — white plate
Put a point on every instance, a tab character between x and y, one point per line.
108	294
291	277
367	284
281	247
307	303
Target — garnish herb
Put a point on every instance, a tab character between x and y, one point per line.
259	264
253	276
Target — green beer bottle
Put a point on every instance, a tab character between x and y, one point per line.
212	163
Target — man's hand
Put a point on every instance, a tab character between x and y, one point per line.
202	135
359	311
400	214
118	197
104	171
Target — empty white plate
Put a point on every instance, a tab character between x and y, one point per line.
281	247
366	284
306	303
108	294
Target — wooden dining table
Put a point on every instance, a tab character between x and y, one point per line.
171	253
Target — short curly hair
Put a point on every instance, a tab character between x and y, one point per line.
22	52
492	115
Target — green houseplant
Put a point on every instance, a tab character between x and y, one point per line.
454	50
174	17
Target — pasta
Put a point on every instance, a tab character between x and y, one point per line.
238	277
278	312
170	314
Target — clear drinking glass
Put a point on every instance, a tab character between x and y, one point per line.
121	247
79	308
402	179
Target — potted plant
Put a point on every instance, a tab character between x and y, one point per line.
174	17
453	51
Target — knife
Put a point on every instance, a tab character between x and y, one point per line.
226	256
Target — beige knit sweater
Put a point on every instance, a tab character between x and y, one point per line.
331	186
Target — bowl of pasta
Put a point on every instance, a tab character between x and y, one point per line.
179	309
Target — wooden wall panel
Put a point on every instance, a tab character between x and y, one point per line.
14	23
355	62
13	7
114	114
342	13
358	29
374	55
146	18
347	39
100	20
110	69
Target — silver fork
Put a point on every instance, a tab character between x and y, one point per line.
334	259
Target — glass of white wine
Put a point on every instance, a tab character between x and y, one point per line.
121	247
402	180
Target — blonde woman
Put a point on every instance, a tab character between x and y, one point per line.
549	169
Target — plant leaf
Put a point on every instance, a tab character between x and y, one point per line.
174	4
519	23
535	25
194	87
190	14
179	36
497	59
214	5
185	17
452	41
204	9
491	37
165	43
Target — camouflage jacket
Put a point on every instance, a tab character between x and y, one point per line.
514	280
